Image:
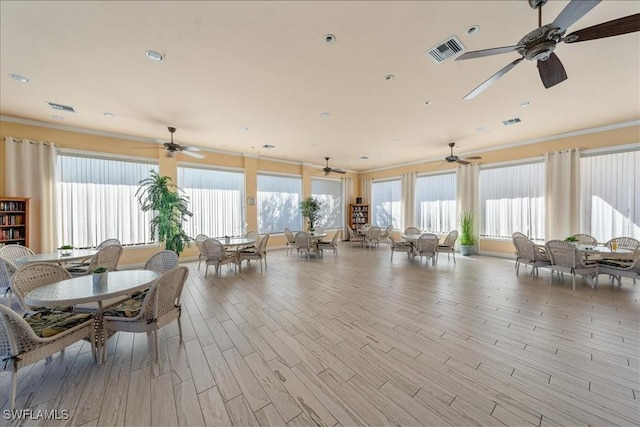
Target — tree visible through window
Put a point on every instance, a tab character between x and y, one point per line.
385	203
436	203
329	193
278	204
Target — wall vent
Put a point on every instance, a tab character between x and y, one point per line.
446	49
512	121
61	107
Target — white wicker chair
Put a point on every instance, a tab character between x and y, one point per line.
291	240
617	268
106	257
585	239
161	305
329	246
427	245
304	244
259	253
103	244
356	238
11	253
20	346
216	255
513	236
373	236
162	261
628	243
400	247
32	276
449	244
566	258
5	280
386	233
200	238
412	230
530	254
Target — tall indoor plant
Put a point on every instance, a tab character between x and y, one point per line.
310	209
467	238
157	193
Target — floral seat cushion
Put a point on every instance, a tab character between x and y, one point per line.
48	323
129	307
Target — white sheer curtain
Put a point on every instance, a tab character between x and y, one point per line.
30	171
436	202
329	193
562	193
278	205
467	189
347	197
366	190
408	199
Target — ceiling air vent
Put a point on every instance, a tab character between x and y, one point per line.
446	49
61	107
512	121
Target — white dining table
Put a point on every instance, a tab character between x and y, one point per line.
57	257
81	290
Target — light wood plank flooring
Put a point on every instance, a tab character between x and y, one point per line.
361	340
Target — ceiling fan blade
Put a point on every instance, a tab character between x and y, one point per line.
192	154
551	71
574	11
473	158
493	79
338	171
188	148
462	162
628	24
488	52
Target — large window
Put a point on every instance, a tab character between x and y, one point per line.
436	203
512	199
385	203
96	201
610	194
329	193
216	200
279	200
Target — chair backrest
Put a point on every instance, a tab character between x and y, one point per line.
518	234
387	231
291	238
213	250
251	235
352	234
451	238
199	239
5	275
628	243
411	230
108	242
585	239
164	295
563	254
303	240
11	253
427	243
374	233
334	239
32	276
261	248
106	257
162	261
524	247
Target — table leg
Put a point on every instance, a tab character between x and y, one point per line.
100	337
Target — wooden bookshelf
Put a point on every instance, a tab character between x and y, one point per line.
14	221
358	215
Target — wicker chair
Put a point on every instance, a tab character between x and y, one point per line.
566	258
106	257
427	245
386	233
617	269
513	236
373	236
258	253
200	238
356	238
20	346
329	246
400	247
11	253
32	276
291	240
5	280
412	230
304	243
585	239
162	261
449	245
216	255
103	244
160	306
530	254
628	243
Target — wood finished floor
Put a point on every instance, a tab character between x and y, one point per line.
361	340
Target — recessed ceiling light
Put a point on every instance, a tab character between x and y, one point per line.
396	140
329	38
57	117
364	158
108	115
244	129
324	115
427	102
389	77
524	104
268	146
223	145
19	78
156	56
473	29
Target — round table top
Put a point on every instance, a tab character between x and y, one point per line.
80	290
74	255
236	241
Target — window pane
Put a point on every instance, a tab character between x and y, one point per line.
512	199
609	195
329	193
96	201
216	201
278	204
436	203
385	198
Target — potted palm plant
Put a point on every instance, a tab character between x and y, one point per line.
158	194
467	239
310	208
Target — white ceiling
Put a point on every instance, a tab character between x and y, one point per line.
265	66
